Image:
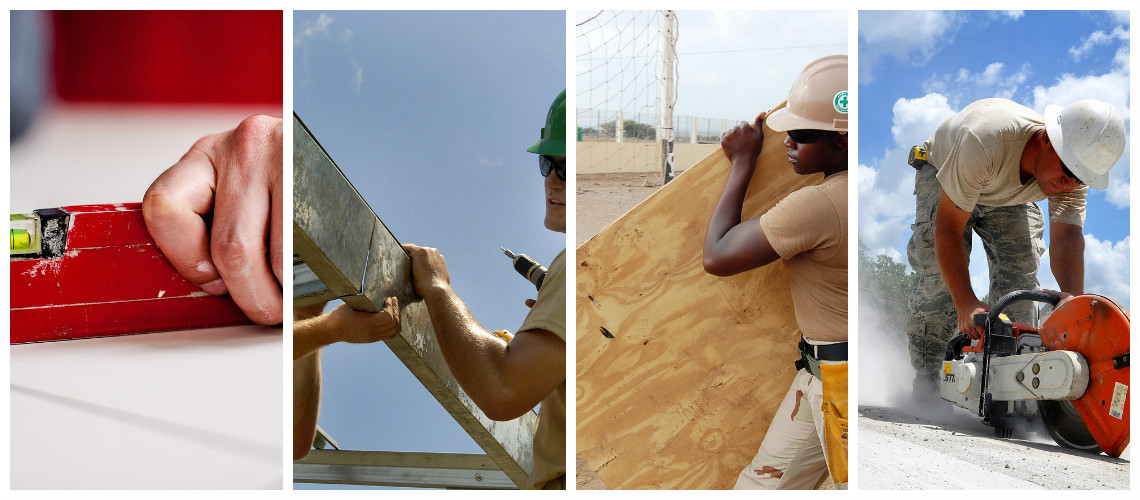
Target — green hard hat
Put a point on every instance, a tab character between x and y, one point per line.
553	135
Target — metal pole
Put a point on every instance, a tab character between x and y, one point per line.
619	126
665	97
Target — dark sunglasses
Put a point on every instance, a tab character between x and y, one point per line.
547	164
806	136
1070	174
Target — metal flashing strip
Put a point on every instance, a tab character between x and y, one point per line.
401	469
350	250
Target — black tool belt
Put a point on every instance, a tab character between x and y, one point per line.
811	355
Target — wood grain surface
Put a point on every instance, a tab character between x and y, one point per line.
681	395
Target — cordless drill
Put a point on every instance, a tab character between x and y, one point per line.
527	267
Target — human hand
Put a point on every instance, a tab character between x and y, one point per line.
744	141
966	319
358	327
1065	297
236	177
429	269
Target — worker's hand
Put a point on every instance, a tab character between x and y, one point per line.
429	269
234	178
966	319
744	142
1065	297
358	327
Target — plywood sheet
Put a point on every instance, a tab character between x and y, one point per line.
681	395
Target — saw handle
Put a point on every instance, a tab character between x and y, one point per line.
1019	295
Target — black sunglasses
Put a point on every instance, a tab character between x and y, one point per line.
806	136
547	164
1070	174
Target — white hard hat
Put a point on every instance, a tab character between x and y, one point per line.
1089	137
818	99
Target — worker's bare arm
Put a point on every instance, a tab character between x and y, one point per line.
504	380
306	402
234	177
344	324
732	246
306	389
1067	256
949	248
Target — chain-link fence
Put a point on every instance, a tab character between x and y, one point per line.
697	130
598	125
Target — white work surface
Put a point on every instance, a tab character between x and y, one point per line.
191	409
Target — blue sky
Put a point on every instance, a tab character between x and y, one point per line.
429	114
918	68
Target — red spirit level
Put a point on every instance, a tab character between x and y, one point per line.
94	271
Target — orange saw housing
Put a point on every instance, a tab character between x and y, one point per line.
1098	328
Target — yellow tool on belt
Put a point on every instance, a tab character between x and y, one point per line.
918	158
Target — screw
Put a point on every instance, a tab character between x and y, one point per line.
1036	382
1036	368
478	476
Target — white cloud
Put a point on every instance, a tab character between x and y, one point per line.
1012	15
357	79
993	81
1106	268
483	161
312	29
906	36
915	119
1098	38
886	190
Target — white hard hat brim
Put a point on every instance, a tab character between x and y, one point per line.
783	120
1057	138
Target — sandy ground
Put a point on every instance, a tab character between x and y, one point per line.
603	198
900	450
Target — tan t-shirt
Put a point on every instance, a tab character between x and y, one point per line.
808	229
549	313
978	156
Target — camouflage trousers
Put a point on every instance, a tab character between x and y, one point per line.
1013	238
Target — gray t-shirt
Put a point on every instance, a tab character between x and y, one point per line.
978	156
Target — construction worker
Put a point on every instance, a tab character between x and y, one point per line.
808	229
982	171
508	379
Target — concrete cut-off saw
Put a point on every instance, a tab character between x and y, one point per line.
1072	372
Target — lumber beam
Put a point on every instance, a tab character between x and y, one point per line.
403	469
347	247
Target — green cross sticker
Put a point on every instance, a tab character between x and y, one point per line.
840	101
